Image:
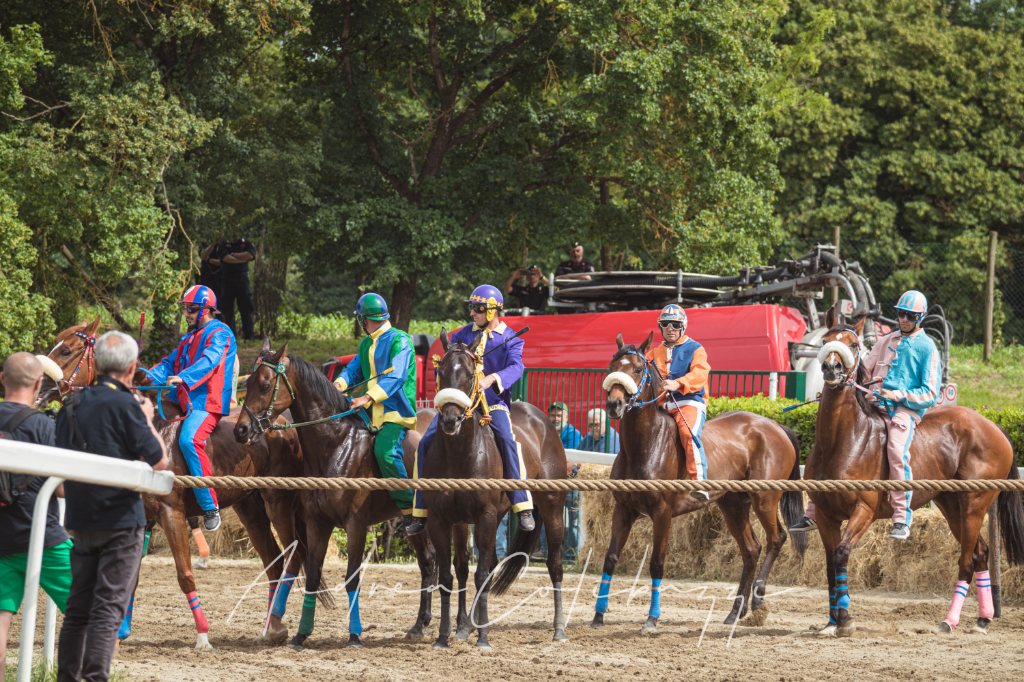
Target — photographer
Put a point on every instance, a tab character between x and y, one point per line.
233	284
533	295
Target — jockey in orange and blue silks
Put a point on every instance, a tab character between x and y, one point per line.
203	364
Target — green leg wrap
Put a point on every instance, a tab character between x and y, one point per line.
308	614
145	542
387	448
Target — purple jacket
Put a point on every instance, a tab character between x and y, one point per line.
506	363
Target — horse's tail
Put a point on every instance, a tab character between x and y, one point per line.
517	559
1011	515
792	504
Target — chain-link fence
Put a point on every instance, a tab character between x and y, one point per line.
949	274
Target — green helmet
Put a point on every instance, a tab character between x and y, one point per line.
372	307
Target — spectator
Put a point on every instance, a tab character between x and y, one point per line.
575	264
558	413
208	272
501	539
233	285
596	439
533	295
22	377
105	419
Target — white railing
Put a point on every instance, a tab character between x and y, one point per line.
61	465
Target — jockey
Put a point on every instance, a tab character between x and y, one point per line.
906	363
501	369
390	399
684	364
203	365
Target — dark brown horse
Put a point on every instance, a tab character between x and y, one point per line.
464	448
338	449
951	442
276	456
740	446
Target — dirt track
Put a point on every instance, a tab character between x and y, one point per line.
894	636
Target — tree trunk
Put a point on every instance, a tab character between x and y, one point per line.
607	263
401	303
357	330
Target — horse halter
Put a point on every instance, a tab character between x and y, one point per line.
262	424
86	355
635	398
477	395
851	373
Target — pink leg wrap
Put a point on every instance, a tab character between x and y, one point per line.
983	582
959	595
202	625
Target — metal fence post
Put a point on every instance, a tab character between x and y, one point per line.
994	569
990	293
836	233
773	386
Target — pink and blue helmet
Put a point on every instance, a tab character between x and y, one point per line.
200	295
489	296
673	312
913	302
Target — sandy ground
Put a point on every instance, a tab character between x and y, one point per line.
895	635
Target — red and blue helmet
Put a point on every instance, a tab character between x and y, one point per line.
913	302
673	312
201	296
489	296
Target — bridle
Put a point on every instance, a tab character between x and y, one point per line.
635	400
262	424
852	372
86	355
477	395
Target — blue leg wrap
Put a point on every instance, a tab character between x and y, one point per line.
842	591
355	627
602	593
284	588
655	611
833	612
126	624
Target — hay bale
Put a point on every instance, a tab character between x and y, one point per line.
700	547
230	541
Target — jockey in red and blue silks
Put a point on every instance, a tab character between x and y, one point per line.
203	363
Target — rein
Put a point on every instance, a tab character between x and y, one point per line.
263	424
87	353
160	403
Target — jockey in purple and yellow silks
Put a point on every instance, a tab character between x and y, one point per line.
203	364
502	368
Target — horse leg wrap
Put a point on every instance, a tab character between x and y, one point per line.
202	625
308	614
204	549
983	582
145	542
842	590
959	595
655	611
126	624
833	610
277	606
602	593
355	627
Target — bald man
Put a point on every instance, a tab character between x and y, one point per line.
22	377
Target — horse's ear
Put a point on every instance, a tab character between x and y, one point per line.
859	325
645	346
833	317
91	329
265	348
281	354
476	343
618	341
444	340
140	378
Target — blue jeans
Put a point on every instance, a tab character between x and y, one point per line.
571	538
501	541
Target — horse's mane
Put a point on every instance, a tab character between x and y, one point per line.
320	384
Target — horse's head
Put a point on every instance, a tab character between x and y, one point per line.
264	399
626	374
840	352
456	383
73	354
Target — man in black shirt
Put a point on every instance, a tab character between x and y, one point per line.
233	285
533	295
575	264
208	272
105	419
22	377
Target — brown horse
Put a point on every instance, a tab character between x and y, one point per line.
277	456
464	448
951	442
740	446
337	449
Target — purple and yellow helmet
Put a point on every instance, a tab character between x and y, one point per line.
913	302
489	296
200	295
673	312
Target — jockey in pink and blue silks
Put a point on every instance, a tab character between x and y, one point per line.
501	369
906	363
203	365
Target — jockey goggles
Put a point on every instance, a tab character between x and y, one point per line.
192	309
907	315
671	324
478	308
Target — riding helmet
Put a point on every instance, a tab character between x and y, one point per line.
200	295
372	307
674	313
487	295
913	302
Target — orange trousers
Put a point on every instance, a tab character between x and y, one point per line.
695	418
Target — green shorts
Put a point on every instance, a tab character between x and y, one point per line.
55	577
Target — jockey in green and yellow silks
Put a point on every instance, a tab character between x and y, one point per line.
390	399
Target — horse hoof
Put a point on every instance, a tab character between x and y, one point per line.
651	626
828	631
846	629
297	642
462	634
353	642
203	563
598	621
483	646
944	628
203	643
272	637
415	634
440	646
731	618
982	625
559	636
295	647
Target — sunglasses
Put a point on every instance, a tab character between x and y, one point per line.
671	324
913	317
480	309
192	309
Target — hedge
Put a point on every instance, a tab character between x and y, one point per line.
803	419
